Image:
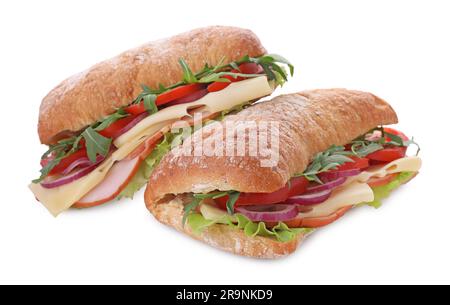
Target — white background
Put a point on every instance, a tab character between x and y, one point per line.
399	50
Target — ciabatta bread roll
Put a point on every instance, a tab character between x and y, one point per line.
96	92
310	122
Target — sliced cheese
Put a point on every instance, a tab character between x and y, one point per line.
351	194
235	94
406	164
212	213
61	198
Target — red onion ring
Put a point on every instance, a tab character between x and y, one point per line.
309	198
326	186
80	163
189	98
268	213
74	176
133	123
333	175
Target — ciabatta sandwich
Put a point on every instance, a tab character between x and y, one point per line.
333	153
107	127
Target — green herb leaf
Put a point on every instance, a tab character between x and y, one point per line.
188	76
96	144
50	165
232	198
281	59
150	103
106	122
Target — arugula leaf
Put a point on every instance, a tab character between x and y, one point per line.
197	199
218	77
363	148
324	161
106	122
281	59
150	103
50	165
232	198
96	144
188	76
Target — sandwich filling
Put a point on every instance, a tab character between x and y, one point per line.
365	171
114	157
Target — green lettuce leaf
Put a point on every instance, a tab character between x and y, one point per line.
381	192
280	232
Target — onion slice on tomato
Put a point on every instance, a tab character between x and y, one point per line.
189	98
310	198
330	185
269	213
73	176
68	178
133	123
333	175
80	163
115	181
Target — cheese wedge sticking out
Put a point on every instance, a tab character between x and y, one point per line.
235	94
63	197
58	199
406	164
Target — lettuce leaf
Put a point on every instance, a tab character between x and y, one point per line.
145	169
280	232
381	192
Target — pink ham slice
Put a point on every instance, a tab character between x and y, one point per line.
115	181
123	171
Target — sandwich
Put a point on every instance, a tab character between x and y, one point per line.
107	127
334	153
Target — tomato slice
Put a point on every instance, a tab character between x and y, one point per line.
388	154
250	68
296	186
113	130
359	163
375	181
395	132
166	97
245	68
65	162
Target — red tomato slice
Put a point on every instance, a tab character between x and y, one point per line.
113	130
250	68
245	68
217	86
388	154
396	132
374	182
166	97
296	186
317	222
360	163
65	162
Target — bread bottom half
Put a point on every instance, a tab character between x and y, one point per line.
225	237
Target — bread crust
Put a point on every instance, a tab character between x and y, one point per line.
225	237
310	122
96	92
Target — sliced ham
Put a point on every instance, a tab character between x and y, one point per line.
115	181
123	171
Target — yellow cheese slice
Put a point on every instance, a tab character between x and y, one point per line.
63	197
235	94
406	164
58	199
351	194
